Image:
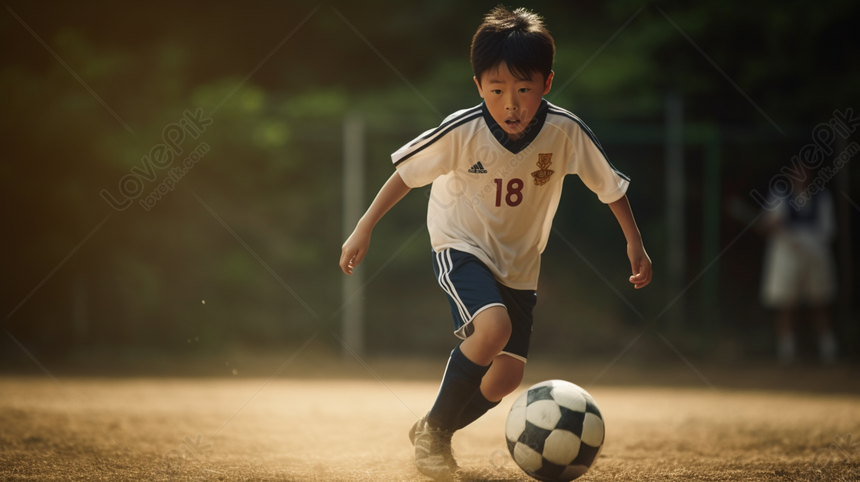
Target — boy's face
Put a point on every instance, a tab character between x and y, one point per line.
512	102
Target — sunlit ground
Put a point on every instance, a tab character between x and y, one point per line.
335	428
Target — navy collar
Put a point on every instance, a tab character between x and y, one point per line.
531	131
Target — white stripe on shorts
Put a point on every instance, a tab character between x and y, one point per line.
454	294
445	282
443	271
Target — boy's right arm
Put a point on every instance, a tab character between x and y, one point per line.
355	247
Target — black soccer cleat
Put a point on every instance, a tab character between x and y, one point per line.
433	455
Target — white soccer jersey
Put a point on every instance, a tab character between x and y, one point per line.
495	198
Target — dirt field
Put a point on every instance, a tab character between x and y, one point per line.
331	429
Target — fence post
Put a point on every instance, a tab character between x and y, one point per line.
353	204
710	308
675	203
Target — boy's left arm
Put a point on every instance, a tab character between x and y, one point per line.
640	263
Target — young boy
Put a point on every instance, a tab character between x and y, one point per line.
497	172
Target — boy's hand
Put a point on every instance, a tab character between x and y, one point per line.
356	245
354	249
640	264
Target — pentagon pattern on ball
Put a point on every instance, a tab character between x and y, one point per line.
534	437
539	393
587	455
571	421
555	431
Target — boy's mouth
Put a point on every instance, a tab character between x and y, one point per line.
512	123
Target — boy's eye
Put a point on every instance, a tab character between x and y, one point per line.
524	90
496	91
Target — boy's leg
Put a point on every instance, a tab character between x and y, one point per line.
506	372
469	363
463	375
503	377
481	319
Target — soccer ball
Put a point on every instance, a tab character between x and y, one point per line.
554	431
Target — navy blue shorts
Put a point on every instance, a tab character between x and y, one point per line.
471	288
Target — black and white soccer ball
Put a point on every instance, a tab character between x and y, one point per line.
555	431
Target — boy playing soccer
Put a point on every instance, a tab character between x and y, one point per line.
497	172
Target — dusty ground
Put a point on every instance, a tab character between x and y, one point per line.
355	429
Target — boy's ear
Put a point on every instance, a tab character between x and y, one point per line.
478	83
548	84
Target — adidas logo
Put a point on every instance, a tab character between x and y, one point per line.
477	169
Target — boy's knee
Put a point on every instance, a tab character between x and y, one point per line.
501	329
494	328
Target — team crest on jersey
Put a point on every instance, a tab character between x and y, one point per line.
544	173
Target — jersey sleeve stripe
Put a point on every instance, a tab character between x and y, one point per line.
459	122
454	119
587	130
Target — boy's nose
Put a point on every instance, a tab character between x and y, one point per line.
511	103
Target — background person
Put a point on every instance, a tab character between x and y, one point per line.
799	267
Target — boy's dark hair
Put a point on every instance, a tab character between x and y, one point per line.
518	38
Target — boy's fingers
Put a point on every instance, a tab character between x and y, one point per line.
642	276
358	257
637	271
346	258
645	281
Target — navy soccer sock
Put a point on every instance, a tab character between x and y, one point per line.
461	380
477	407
